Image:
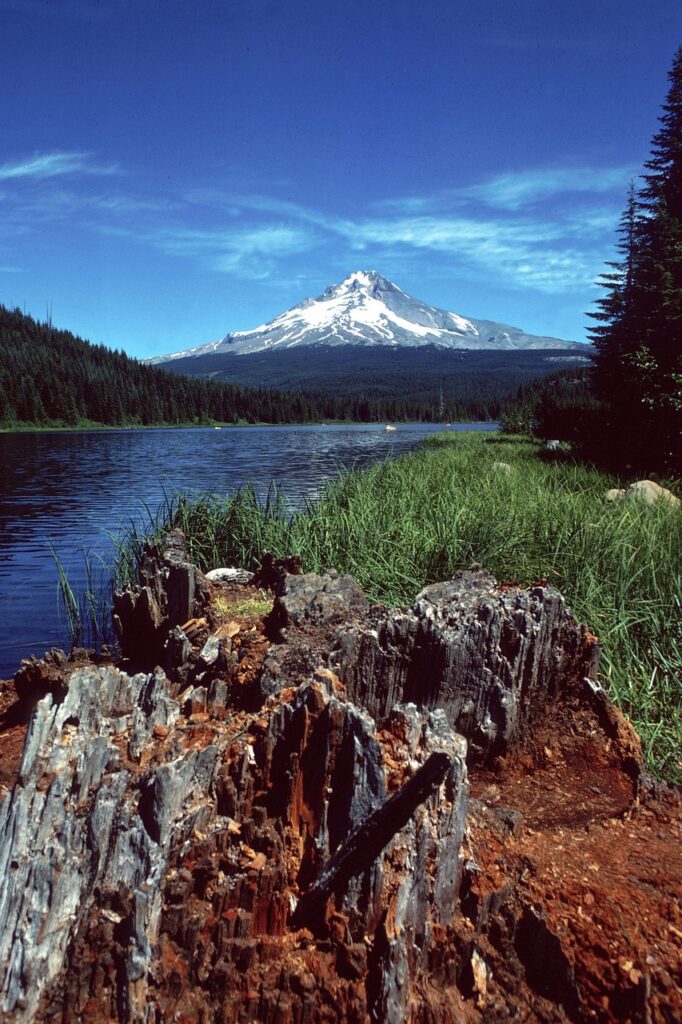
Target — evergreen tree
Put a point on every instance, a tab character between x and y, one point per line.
638	364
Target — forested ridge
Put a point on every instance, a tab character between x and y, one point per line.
464	384
50	377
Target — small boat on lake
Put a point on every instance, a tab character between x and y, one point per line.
389	426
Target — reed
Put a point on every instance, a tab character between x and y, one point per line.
87	609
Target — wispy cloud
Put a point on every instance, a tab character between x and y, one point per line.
514	191
250	252
522	254
547	231
54	165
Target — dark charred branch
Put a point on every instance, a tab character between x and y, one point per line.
365	843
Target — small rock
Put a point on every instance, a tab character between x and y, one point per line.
227	630
230	576
199	716
257	863
479	970
217	694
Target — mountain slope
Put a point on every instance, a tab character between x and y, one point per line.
366	309
374	371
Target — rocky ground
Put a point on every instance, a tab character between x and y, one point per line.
288	805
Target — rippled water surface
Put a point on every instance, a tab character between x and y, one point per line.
70	491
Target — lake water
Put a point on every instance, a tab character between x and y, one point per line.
70	491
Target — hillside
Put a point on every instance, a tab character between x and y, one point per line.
474	384
50	377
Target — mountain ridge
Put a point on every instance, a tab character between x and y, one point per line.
366	310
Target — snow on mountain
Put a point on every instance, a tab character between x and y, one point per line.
368	309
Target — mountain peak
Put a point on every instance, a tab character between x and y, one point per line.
367	309
366	281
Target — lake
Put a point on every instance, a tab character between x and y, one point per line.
70	491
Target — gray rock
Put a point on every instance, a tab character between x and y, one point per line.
170	592
311	601
230	576
125	816
491	658
72	828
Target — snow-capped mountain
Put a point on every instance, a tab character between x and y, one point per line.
367	309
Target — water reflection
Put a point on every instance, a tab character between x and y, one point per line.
70	491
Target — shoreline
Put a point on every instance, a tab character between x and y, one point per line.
99	427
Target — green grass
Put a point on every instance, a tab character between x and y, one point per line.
404	523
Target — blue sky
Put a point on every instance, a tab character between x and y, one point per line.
170	171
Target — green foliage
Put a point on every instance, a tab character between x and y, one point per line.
560	405
50	377
404	523
638	369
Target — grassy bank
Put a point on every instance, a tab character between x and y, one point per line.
404	523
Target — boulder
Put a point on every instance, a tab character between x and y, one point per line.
647	491
651	493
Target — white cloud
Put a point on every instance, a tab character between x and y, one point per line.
250	252
516	190
492	231
53	165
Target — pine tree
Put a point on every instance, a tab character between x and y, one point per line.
638	365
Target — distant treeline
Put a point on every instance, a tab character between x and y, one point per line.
423	383
51	377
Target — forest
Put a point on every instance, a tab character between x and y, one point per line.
51	378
